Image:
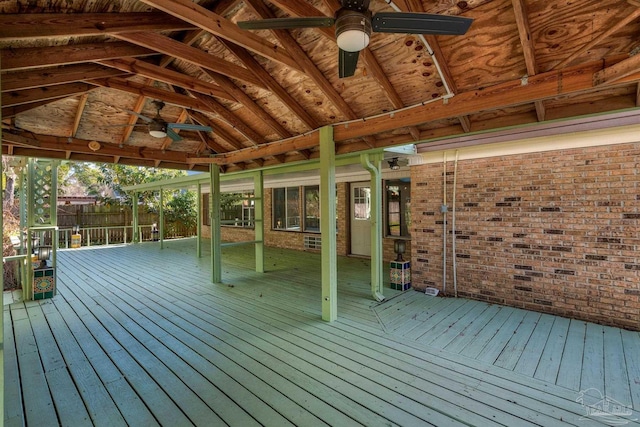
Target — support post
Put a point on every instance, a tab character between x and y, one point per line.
161	220
199	222
329	270
258	220
2	278
136	236
372	162
214	212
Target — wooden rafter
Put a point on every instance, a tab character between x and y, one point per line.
623	22
78	116
133	119
617	71
416	6
38	57
300	8
244	99
253	65
572	81
219	131
171	47
36	25
27	96
528	50
215	24
30	79
171	77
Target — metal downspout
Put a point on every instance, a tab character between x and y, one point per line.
376	225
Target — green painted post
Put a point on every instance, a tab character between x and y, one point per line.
2	282
372	162
199	222
329	270
161	220
214	211
136	234
258	220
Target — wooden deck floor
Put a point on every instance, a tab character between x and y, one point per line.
139	336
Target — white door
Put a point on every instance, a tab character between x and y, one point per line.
361	219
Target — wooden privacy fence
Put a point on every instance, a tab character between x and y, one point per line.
103	225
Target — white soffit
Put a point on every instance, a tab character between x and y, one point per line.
597	131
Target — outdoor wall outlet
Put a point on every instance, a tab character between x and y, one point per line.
444	208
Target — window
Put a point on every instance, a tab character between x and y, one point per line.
237	209
312	208
206	219
286	208
398	208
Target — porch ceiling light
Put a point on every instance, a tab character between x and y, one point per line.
393	164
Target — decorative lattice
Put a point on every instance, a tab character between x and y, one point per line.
42	186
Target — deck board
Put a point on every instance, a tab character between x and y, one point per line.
141	335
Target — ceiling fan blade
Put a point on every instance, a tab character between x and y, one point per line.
174	136
419	23
347	63
188	126
286	23
145	118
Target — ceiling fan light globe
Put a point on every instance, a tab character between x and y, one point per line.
353	40
158	133
353	30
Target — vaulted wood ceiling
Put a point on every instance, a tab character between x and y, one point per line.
72	72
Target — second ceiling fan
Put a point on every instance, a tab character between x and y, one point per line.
354	23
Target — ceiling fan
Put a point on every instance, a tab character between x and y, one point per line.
354	23
160	128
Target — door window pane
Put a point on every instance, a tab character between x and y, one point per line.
361	203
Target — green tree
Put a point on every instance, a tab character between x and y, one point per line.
105	182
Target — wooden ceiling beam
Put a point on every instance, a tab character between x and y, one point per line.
38	57
151	92
245	57
27	96
43	25
62	145
10	112
617	71
528	50
619	24
132	65
30	79
219	131
133	119
168	46
76	121
437	56
571	81
218	25
226	84
305	62
188	40
227	116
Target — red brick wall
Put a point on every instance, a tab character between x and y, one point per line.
555	232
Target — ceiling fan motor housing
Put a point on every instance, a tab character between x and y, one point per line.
353	29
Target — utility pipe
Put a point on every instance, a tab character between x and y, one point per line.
443	208
453	226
